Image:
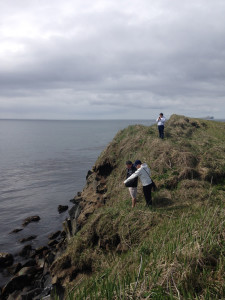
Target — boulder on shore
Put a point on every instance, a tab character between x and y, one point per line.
31	219
29	238
62	208
6	259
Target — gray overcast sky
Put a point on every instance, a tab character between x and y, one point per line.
112	59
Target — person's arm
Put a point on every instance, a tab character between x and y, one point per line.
134	175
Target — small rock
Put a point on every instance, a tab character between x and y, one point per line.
50	258
31	219
54	235
25	251
15	268
40	250
62	208
14	295
88	174
16	230
29	295
30	263
6	259
76	200
32	237
17	283
52	243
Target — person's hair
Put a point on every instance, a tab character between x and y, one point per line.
128	162
161	114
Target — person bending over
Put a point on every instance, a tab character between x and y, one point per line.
143	172
132	186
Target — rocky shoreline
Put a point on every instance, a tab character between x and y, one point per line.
36	277
30	278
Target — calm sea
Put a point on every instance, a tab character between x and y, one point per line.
44	164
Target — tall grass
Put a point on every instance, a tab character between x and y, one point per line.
182	258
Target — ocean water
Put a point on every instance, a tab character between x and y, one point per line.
44	164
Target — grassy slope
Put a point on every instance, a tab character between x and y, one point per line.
176	250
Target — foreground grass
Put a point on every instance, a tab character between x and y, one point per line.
182	257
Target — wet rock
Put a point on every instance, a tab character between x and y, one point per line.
6	259
89	173
14	268
76	200
17	283
16	230
30	263
54	235
30	238
30	271
41	250
26	251
52	243
14	295
29	295
31	219
62	208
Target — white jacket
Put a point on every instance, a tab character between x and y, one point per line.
143	173
161	121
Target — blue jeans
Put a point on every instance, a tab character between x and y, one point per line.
161	131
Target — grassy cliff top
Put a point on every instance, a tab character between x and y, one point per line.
174	251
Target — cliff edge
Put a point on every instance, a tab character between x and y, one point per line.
176	250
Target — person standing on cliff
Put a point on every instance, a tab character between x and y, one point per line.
143	172
160	122
133	184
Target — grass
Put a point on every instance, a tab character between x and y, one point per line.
173	251
181	258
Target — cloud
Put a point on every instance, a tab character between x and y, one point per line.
101	59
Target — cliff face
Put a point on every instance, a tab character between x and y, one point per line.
106	236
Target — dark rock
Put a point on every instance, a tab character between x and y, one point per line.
25	251
16	230
28	271
14	295
52	243
88	174
76	200
30	238
63	234
29	295
17	283
40	250
50	258
31	219
79	194
54	235
105	168
30	263
62	208
15	268
6	259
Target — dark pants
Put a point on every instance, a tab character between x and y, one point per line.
148	193
161	131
